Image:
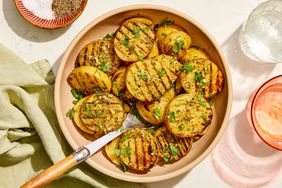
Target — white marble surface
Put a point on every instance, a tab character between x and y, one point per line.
220	17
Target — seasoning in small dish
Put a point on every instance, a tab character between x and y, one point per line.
50	14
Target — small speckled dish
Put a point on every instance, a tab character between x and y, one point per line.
109	22
49	24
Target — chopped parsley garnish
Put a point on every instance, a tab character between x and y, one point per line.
122	128
105	67
178	46
171	117
136	32
117	152
211	102
187	68
100	124
99	112
204	116
201	101
152	129
116	90
91	114
181	127
161	72
125	41
74	101
165	157
95	103
124	137
167	22
70	113
201	83
140	58
142	75
126	151
173	149
76	94
109	36
87	107
96	90
157	113
198	77
146	29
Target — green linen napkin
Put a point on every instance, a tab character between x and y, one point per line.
30	137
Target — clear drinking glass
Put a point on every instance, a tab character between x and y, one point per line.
261	34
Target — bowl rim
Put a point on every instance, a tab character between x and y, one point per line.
61	23
228	80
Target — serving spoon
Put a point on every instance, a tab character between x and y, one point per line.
81	154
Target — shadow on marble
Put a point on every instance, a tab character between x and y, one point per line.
57	63
24	29
247	74
167	183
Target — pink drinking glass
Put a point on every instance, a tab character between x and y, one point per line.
265	112
243	158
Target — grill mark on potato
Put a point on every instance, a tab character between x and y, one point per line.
132	82
165	79
149	34
122	48
159	81
142	84
150	83
169	74
137	43
165	138
155	78
76	76
219	81
147	156
84	57
120	36
144	34
183	145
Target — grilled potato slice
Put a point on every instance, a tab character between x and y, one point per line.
194	53
119	88
149	80
201	76
134	39
102	112
154	52
100	54
89	80
112	151
163	31
172	148
139	149
188	115
118	80
154	112
76	117
173	41
176	44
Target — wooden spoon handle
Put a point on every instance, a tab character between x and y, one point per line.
51	173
